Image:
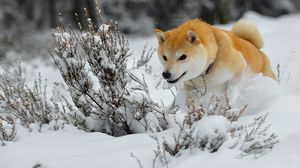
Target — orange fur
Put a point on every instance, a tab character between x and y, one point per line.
235	50
249	32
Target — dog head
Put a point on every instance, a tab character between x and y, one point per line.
182	54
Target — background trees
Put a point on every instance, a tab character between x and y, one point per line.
19	19
136	16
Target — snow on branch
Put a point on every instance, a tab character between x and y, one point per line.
255	138
32	105
145	58
209	128
7	128
17	99
93	63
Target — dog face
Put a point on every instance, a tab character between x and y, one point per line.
181	54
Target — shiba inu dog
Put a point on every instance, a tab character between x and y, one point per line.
200	55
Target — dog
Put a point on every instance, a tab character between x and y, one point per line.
197	54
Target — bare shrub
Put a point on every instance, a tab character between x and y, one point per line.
161	153
93	63
32	105
7	128
143	61
139	162
19	100
255	138
208	128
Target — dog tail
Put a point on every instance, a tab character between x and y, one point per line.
248	31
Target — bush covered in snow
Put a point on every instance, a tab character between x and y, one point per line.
32	105
93	64
212	125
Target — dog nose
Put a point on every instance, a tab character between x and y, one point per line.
166	74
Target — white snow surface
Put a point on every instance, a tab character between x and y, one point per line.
74	148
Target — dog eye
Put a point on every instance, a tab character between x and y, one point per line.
183	57
165	58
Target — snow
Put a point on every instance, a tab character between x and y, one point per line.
74	148
208	125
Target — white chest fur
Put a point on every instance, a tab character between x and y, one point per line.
214	83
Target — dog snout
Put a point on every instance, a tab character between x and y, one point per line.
166	74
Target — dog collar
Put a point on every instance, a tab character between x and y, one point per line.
208	69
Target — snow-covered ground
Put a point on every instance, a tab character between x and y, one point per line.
74	148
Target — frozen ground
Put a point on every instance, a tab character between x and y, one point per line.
74	148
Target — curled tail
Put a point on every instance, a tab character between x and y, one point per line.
248	31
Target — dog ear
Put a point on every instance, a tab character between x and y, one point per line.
193	37
160	35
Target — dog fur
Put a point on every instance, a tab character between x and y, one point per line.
231	54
